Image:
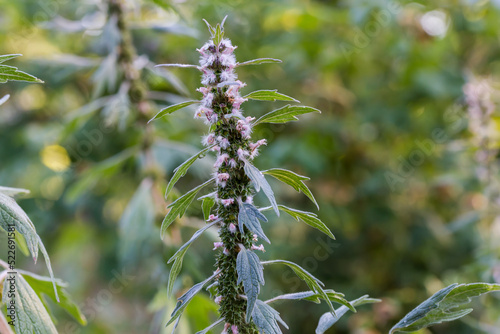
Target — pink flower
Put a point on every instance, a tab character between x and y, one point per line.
208	139
203	90
234	329
242	154
244	128
249	199
226	252
261	248
203	111
211	218
218	299
215	149
226	327
221	159
256	145
228	60
223	142
238	100
207	100
227	202
232	228
232	163
226	47
255	237
228	75
221	179
208	77
205	47
218	245
207	59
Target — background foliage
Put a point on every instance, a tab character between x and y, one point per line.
385	81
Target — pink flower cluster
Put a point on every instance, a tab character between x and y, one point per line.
227	326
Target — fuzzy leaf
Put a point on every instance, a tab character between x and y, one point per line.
314	297
266	318
292	179
178	257
43	285
179	207
177	65
259	61
260	181
327	320
445	305
31	315
269	95
212	326
207	205
172	108
184	300
11	214
286	114
312	282
251	273
249	216
4	99
10	73
13	191
309	218
183	168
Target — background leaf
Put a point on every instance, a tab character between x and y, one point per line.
285	114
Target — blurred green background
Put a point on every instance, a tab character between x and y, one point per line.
390	158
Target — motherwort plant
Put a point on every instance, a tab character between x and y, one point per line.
230	207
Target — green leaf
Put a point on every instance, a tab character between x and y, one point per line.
259	61
212	326
207	205
179	207
269	95
43	285
184	300
266	318
327	320
286	114
4	99
445	305
172	108
11	215
13	191
178	257
251	273
249	216
309	218
292	179
31	315
183	168
10	73
314	297
177	65
312	282
259	181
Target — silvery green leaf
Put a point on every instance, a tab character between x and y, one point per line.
259	61
212	326
327	320
285	114
309	218
172	108
11	73
266	319
4	99
251	273
445	305
292	179
179	206
269	95
13	191
314	297
259	181
177	65
178	257
182	169
249	216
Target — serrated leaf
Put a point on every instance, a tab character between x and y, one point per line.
178	257
183	168
286	114
269	95
251	273
309	218
207	205
259	181
172	108
249	216
266	318
179	207
13	191
11	214
312	296
212	326
183	301
327	320
445	305
312	282
260	61
31	315
4	99
43	285
292	179
11	73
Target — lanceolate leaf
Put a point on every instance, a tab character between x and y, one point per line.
292	179
260	181
179	207
182	169
11	215
314	297
259	61
13	191
207	205
176	65
251	273
249	216
31	315
269	95
212	326
184	300
10	73
445	305
266	318
43	285
172	108
178	257
327	320
286	114
309	218
4	99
